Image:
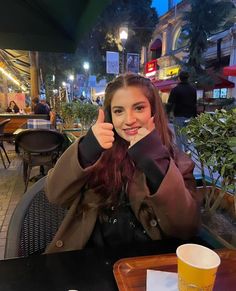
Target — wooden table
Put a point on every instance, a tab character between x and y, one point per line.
130	273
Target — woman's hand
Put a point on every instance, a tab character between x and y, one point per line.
142	132
103	131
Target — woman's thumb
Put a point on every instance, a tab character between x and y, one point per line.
101	116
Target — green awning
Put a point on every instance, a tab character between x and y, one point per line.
46	25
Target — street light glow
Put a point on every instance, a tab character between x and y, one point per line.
86	65
123	33
64	84
71	77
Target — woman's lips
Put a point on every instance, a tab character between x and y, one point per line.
131	131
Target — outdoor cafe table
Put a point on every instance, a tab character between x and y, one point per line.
92	269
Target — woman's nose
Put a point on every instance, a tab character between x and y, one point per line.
130	118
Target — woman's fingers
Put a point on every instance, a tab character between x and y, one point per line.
143	131
103	131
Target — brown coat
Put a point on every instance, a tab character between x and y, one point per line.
175	205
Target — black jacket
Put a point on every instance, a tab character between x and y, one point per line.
41	109
183	100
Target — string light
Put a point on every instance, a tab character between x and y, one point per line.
9	76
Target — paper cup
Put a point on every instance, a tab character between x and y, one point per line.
197	267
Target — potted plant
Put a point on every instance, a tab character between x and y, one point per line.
212	137
68	113
87	113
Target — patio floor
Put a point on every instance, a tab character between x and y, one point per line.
11	191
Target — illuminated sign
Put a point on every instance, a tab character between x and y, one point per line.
172	71
151	68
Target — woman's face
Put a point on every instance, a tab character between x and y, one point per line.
130	110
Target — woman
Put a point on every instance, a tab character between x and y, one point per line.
123	182
13	107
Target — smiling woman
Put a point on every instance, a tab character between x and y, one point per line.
131	111
125	182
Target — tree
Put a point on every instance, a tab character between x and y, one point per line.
204	19
141	19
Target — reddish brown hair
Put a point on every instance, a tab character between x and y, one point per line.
115	168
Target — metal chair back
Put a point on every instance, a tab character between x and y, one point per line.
33	224
41	147
2	139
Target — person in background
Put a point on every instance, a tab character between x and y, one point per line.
98	101
39	108
183	103
13	108
126	182
82	98
46	104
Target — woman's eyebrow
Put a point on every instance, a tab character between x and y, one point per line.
133	105
117	107
140	103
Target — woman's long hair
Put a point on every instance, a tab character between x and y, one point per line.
115	168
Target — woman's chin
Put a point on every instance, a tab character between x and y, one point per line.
128	138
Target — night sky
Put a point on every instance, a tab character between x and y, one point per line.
162	5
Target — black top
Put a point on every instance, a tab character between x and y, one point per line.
183	100
41	109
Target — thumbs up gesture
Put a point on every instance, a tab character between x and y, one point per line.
103	131
143	131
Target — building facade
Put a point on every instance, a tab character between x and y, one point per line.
169	44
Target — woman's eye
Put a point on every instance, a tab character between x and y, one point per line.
117	111
139	108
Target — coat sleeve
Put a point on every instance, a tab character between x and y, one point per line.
176	204
66	179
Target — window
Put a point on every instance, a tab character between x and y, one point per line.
220	93
181	39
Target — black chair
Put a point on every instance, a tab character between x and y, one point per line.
41	147
33	224
3	137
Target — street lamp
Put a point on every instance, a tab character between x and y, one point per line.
123	32
71	79
86	67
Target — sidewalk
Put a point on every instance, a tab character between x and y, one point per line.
11	191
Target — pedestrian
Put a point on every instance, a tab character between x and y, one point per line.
124	181
183	103
98	101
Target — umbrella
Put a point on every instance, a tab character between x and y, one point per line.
46	25
230	70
